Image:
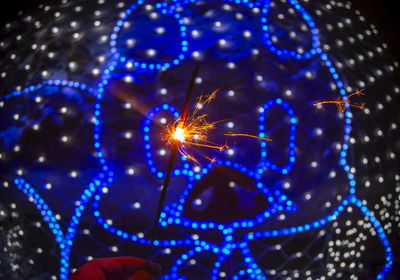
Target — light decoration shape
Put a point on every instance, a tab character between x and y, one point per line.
106	177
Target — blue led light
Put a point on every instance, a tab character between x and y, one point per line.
315	49
141	64
43	208
62	83
147	139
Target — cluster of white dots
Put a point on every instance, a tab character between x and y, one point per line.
12	244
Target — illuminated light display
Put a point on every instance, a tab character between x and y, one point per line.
267	177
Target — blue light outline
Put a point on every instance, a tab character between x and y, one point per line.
43	208
59	83
163	7
282	52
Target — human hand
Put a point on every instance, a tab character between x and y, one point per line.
119	268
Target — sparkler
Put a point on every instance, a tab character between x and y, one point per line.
340	102
193	130
175	141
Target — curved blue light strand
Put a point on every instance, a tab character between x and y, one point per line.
282	52
185	257
43	208
347	128
277	200
249	260
249	274
217	265
64	242
173	276
297	229
147	139
49	218
74	222
104	178
222	256
381	234
246	3
205	171
265	162
134	237
253	270
162	6
176	219
240	274
56	82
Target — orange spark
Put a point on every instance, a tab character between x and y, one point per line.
212	160
340	102
193	130
247	135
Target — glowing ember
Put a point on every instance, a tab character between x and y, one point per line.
247	135
193	130
179	134
340	102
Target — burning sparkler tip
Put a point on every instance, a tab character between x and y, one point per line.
179	133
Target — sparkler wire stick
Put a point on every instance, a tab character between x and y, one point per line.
189	92
247	135
171	161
